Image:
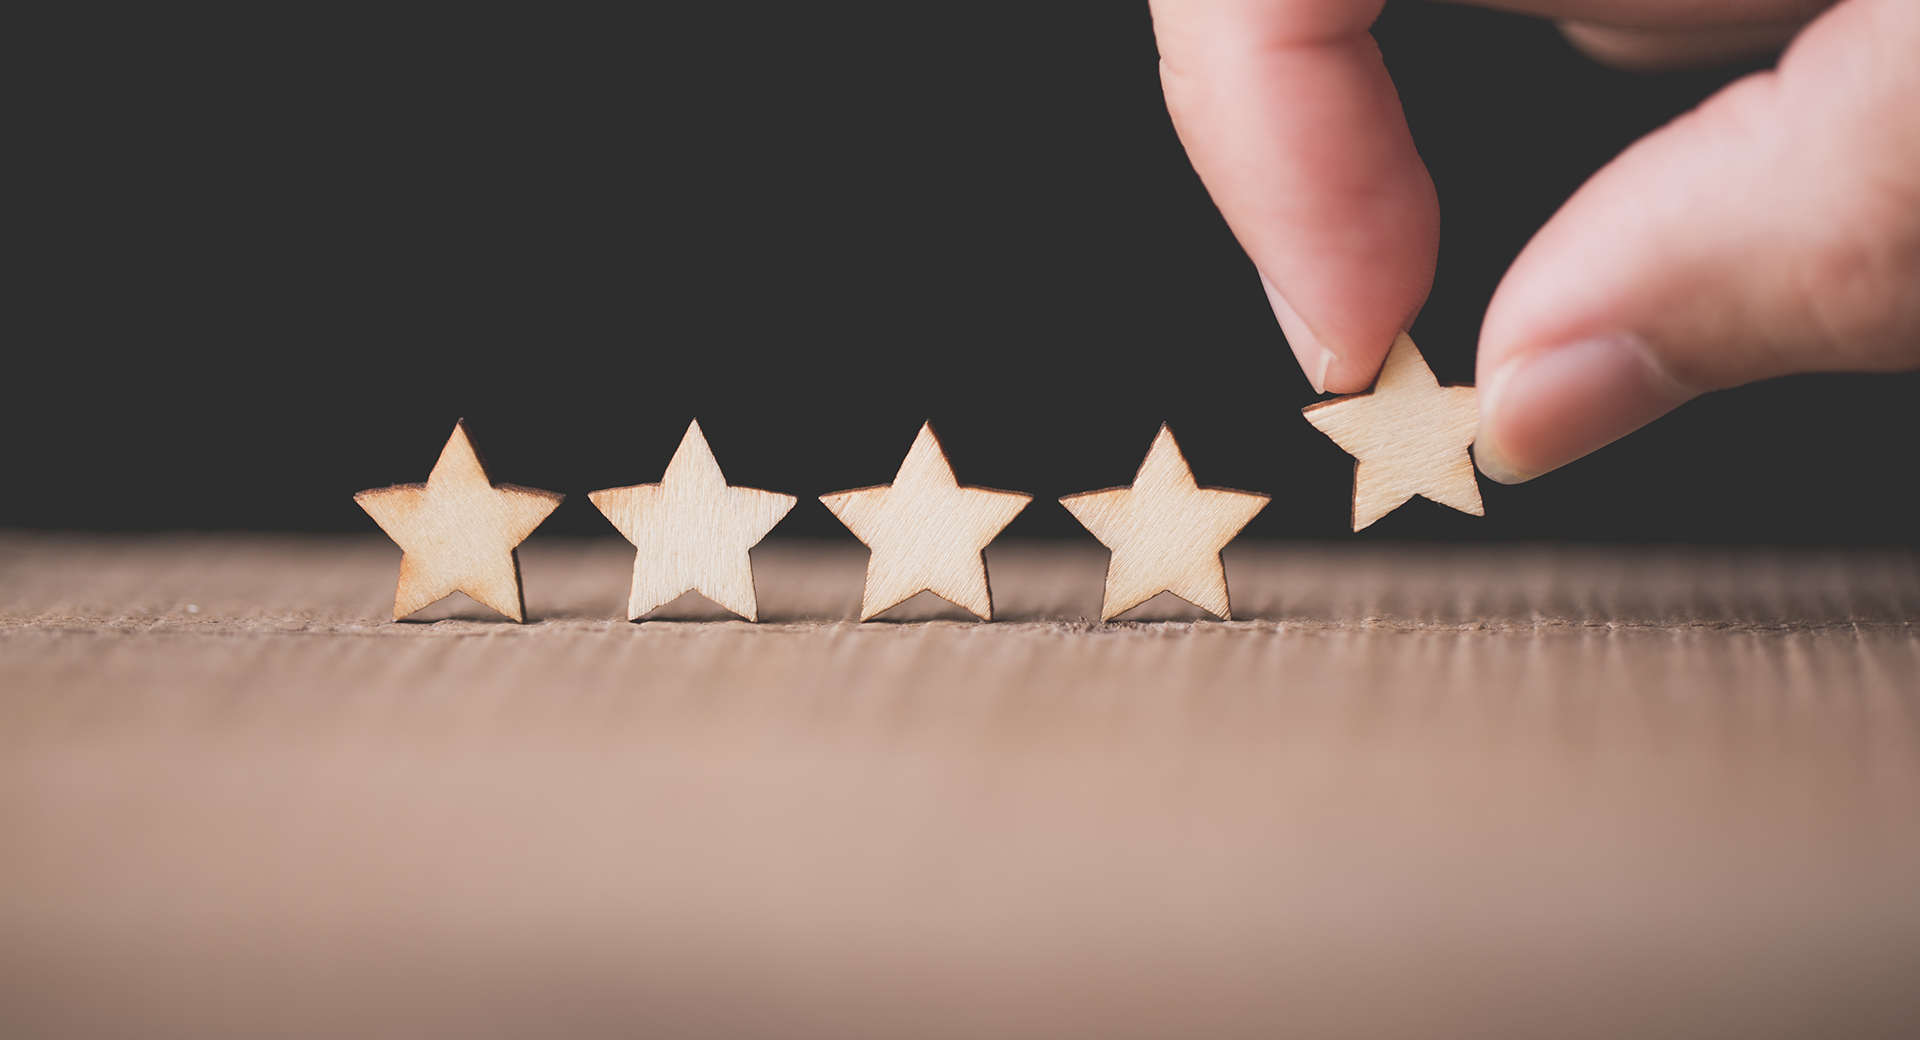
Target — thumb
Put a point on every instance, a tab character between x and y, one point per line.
1773	230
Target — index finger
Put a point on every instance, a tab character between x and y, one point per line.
1292	122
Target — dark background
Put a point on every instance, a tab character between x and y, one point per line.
266	261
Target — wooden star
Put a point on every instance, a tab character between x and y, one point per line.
1165	531
692	531
927	531
1408	436
458	531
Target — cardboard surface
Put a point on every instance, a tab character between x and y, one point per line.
1483	791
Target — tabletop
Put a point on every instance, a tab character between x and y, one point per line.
1407	791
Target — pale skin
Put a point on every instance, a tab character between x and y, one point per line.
1773	230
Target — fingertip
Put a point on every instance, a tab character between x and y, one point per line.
1292	122
1494	466
1346	371
1356	372
1668	49
1308	350
1548	407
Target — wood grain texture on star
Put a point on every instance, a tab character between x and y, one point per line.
927	531
692	531
458	531
1165	531
1408	436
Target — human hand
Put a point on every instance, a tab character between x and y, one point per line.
1775	229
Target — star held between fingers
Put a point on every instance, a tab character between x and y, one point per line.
1165	532
927	531
459	531
1408	435
692	531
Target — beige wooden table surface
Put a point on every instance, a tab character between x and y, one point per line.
1412	792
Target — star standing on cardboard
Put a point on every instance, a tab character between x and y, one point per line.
691	531
459	531
1408	436
927	531
1165	532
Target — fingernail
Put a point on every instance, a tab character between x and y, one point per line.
1548	407
1313	355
